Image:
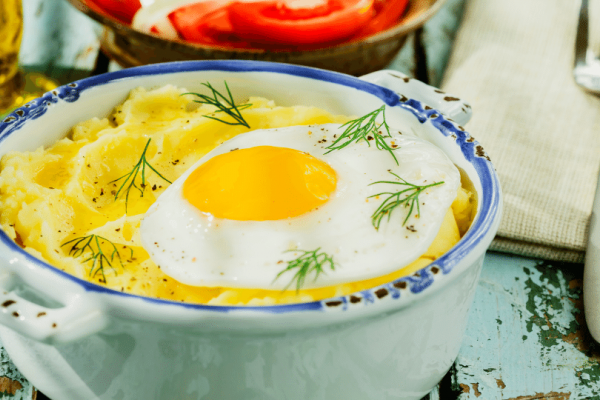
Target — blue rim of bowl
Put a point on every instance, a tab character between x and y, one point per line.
417	283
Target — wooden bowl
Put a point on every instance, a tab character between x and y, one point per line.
131	48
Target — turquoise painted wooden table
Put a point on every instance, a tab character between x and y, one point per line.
526	337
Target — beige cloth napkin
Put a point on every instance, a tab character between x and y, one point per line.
512	60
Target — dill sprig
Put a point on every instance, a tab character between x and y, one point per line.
305	264
365	128
411	199
224	104
92	245
132	175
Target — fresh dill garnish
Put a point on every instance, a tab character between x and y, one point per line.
130	177
365	128
306	263
394	200
92	245
224	104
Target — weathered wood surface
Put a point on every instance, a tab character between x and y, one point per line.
526	337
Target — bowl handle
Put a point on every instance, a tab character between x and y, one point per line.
452	107
72	321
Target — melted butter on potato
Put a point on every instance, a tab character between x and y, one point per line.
50	196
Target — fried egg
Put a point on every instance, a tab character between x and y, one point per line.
242	212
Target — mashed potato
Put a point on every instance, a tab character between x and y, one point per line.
51	196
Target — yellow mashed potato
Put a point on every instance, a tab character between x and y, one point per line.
51	196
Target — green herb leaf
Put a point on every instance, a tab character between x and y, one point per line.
224	104
365	128
92	245
306	263
130	177
409	197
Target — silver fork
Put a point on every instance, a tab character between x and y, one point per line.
587	66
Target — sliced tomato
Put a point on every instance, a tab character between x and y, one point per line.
388	13
273	21
205	23
189	20
123	10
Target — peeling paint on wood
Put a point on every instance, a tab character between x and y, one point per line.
9	386
542	349
546	396
12	384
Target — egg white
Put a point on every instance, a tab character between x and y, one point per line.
198	249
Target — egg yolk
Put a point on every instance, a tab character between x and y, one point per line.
260	183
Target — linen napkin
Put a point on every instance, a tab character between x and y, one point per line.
512	60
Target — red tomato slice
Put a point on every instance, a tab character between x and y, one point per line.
272	21
123	10
205	23
189	20
388	14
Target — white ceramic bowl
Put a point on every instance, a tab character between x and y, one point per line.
76	340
